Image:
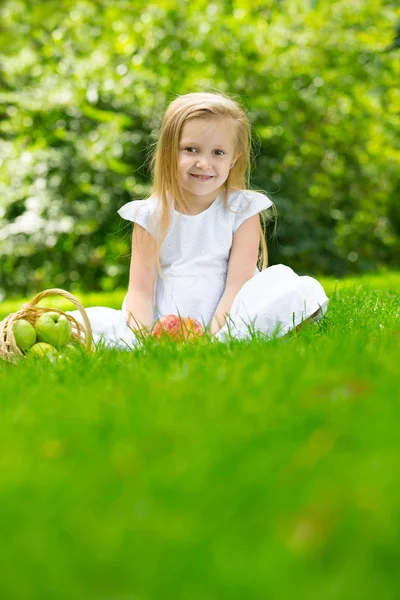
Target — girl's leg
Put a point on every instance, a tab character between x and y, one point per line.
108	325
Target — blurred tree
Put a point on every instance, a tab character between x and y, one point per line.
396	41
83	87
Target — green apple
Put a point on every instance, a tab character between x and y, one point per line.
24	333
54	329
42	350
70	352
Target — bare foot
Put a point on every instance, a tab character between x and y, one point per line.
308	319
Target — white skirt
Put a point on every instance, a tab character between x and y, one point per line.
272	302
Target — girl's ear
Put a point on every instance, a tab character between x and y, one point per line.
235	158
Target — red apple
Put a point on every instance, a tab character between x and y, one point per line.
193	328
177	328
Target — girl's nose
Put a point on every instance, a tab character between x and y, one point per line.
202	163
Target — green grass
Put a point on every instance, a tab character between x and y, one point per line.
248	470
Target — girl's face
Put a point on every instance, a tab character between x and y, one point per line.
205	148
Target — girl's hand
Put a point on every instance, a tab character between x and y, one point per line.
141	332
216	324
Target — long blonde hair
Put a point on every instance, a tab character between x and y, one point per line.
164	160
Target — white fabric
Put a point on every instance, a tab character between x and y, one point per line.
194	257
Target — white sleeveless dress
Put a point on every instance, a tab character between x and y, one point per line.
194	257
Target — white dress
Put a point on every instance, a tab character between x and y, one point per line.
194	257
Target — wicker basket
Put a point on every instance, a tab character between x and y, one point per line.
9	350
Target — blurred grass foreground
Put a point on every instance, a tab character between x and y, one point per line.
245	470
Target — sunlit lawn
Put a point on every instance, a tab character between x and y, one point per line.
249	470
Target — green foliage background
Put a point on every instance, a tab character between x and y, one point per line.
83	87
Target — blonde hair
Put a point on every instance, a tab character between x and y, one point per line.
164	160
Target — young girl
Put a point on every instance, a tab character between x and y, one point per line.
198	238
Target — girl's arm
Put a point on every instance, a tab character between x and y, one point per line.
241	267
139	310
223	308
142	279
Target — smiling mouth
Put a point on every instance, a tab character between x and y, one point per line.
202	177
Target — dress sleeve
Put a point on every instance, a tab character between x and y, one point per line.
141	212
249	204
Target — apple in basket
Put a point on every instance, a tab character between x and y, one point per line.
70	352
43	350
177	328
53	328
24	333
